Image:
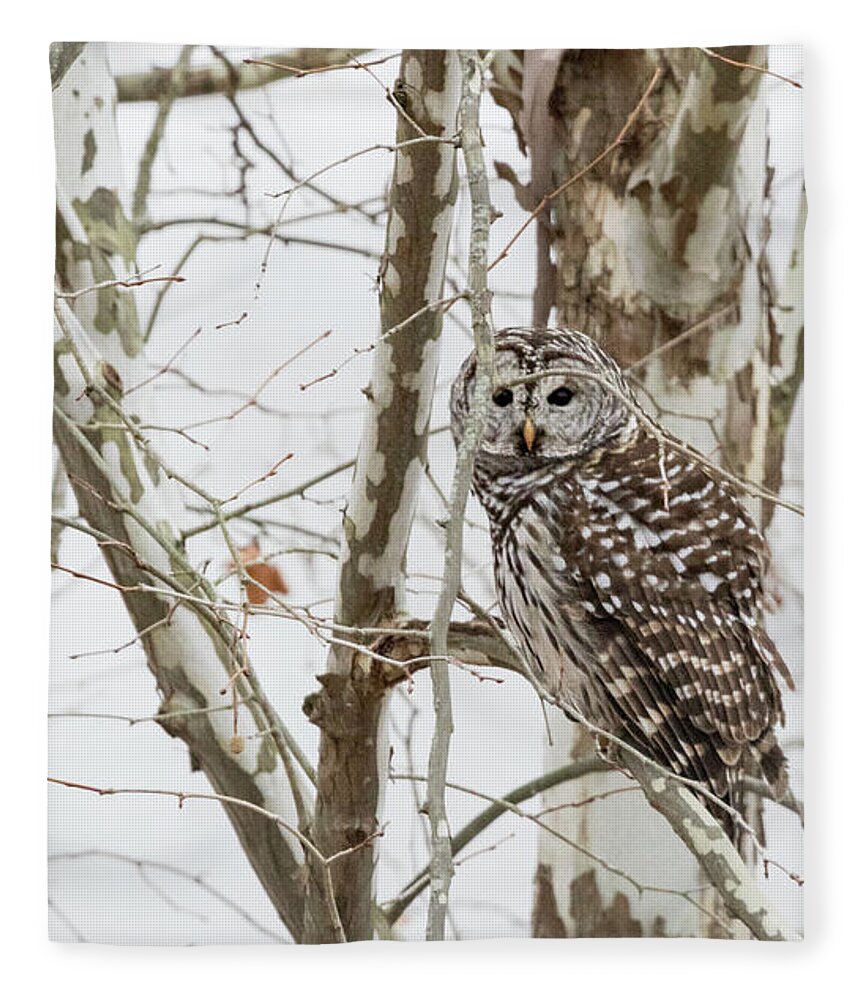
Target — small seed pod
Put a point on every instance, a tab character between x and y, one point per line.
237	744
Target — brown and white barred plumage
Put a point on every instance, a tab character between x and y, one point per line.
630	574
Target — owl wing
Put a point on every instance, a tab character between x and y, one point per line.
681	676
643	701
674	585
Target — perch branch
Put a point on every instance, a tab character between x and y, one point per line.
709	844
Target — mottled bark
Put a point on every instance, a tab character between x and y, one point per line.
540	69
546	917
647	243
761	358
702	834
125	498
624	829
215	77
61	57
388	473
652	239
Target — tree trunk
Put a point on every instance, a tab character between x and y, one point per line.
350	707
125	496
651	240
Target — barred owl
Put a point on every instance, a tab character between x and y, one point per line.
630	573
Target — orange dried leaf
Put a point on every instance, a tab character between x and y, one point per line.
269	577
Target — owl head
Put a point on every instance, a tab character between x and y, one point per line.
546	403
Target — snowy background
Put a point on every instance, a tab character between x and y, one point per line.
98	888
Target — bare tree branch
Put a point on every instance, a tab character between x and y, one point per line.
174	87
716	54
709	844
214	78
124	496
388	473
395	910
183	797
143	864
441	865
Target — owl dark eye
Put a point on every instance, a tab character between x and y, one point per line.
504	397
560	396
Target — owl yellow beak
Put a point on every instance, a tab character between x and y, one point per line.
529	432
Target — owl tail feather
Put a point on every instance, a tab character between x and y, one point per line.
773	764
766	757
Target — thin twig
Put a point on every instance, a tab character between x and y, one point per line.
142	864
266	501
616	142
132	720
392	100
133	281
166	367
183	797
288	193
662	437
299	73
683	336
757	69
441	862
443	304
